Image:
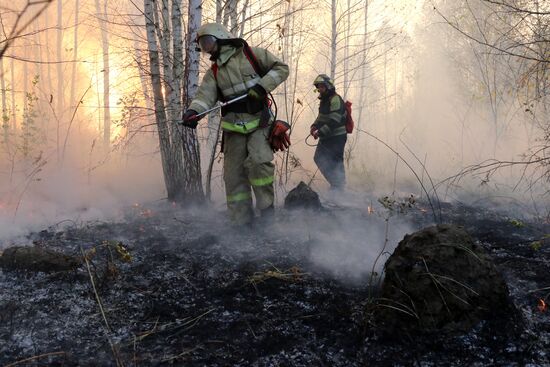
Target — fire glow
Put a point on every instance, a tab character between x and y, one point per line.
542	306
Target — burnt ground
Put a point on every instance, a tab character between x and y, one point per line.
185	288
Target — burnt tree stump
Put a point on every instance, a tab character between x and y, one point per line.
302	197
36	259
440	279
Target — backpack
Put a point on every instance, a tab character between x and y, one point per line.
349	118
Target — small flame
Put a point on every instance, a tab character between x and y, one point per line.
542	305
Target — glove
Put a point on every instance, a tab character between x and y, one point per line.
280	143
278	138
256	99
313	131
257	93
190	119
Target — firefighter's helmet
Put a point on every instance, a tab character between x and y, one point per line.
324	79
214	29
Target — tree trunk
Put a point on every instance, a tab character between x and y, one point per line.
60	89
346	52
362	92
243	19
49	66
73	101
13	105
191	151
142	75
219	11
333	37
5	116
106	92
173	186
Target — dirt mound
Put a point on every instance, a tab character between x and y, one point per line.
439	279
302	197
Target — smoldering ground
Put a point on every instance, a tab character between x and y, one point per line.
188	288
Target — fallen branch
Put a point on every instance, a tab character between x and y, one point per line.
293	274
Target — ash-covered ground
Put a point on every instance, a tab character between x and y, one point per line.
179	287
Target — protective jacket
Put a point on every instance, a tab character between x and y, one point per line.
332	116
235	76
248	156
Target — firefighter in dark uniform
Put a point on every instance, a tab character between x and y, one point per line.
330	129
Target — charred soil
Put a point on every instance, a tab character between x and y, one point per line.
163	286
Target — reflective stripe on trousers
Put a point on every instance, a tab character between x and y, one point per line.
247	167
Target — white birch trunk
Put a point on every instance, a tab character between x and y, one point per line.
363	100
219	11
346	52
191	151
142	77
333	37
160	112
13	104
49	66
234	16
5	117
73	101
243	19
44	121
59	69
167	62
106	92
25	122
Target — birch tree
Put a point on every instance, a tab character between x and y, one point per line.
179	147
191	84
5	117
101	18
518	43
333	39
75	54
60	83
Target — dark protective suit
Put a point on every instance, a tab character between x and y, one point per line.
329	155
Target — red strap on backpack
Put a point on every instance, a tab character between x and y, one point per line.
214	68
249	56
251	59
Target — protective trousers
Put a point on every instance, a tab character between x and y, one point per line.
247	166
329	157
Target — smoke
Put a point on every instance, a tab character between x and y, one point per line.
72	193
352	240
424	93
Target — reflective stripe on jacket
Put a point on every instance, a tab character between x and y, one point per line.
234	77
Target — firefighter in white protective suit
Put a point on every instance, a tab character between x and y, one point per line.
250	134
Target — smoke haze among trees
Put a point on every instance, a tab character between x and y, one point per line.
91	92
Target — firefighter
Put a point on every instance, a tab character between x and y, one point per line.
248	126
330	129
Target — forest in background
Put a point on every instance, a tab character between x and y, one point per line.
450	100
